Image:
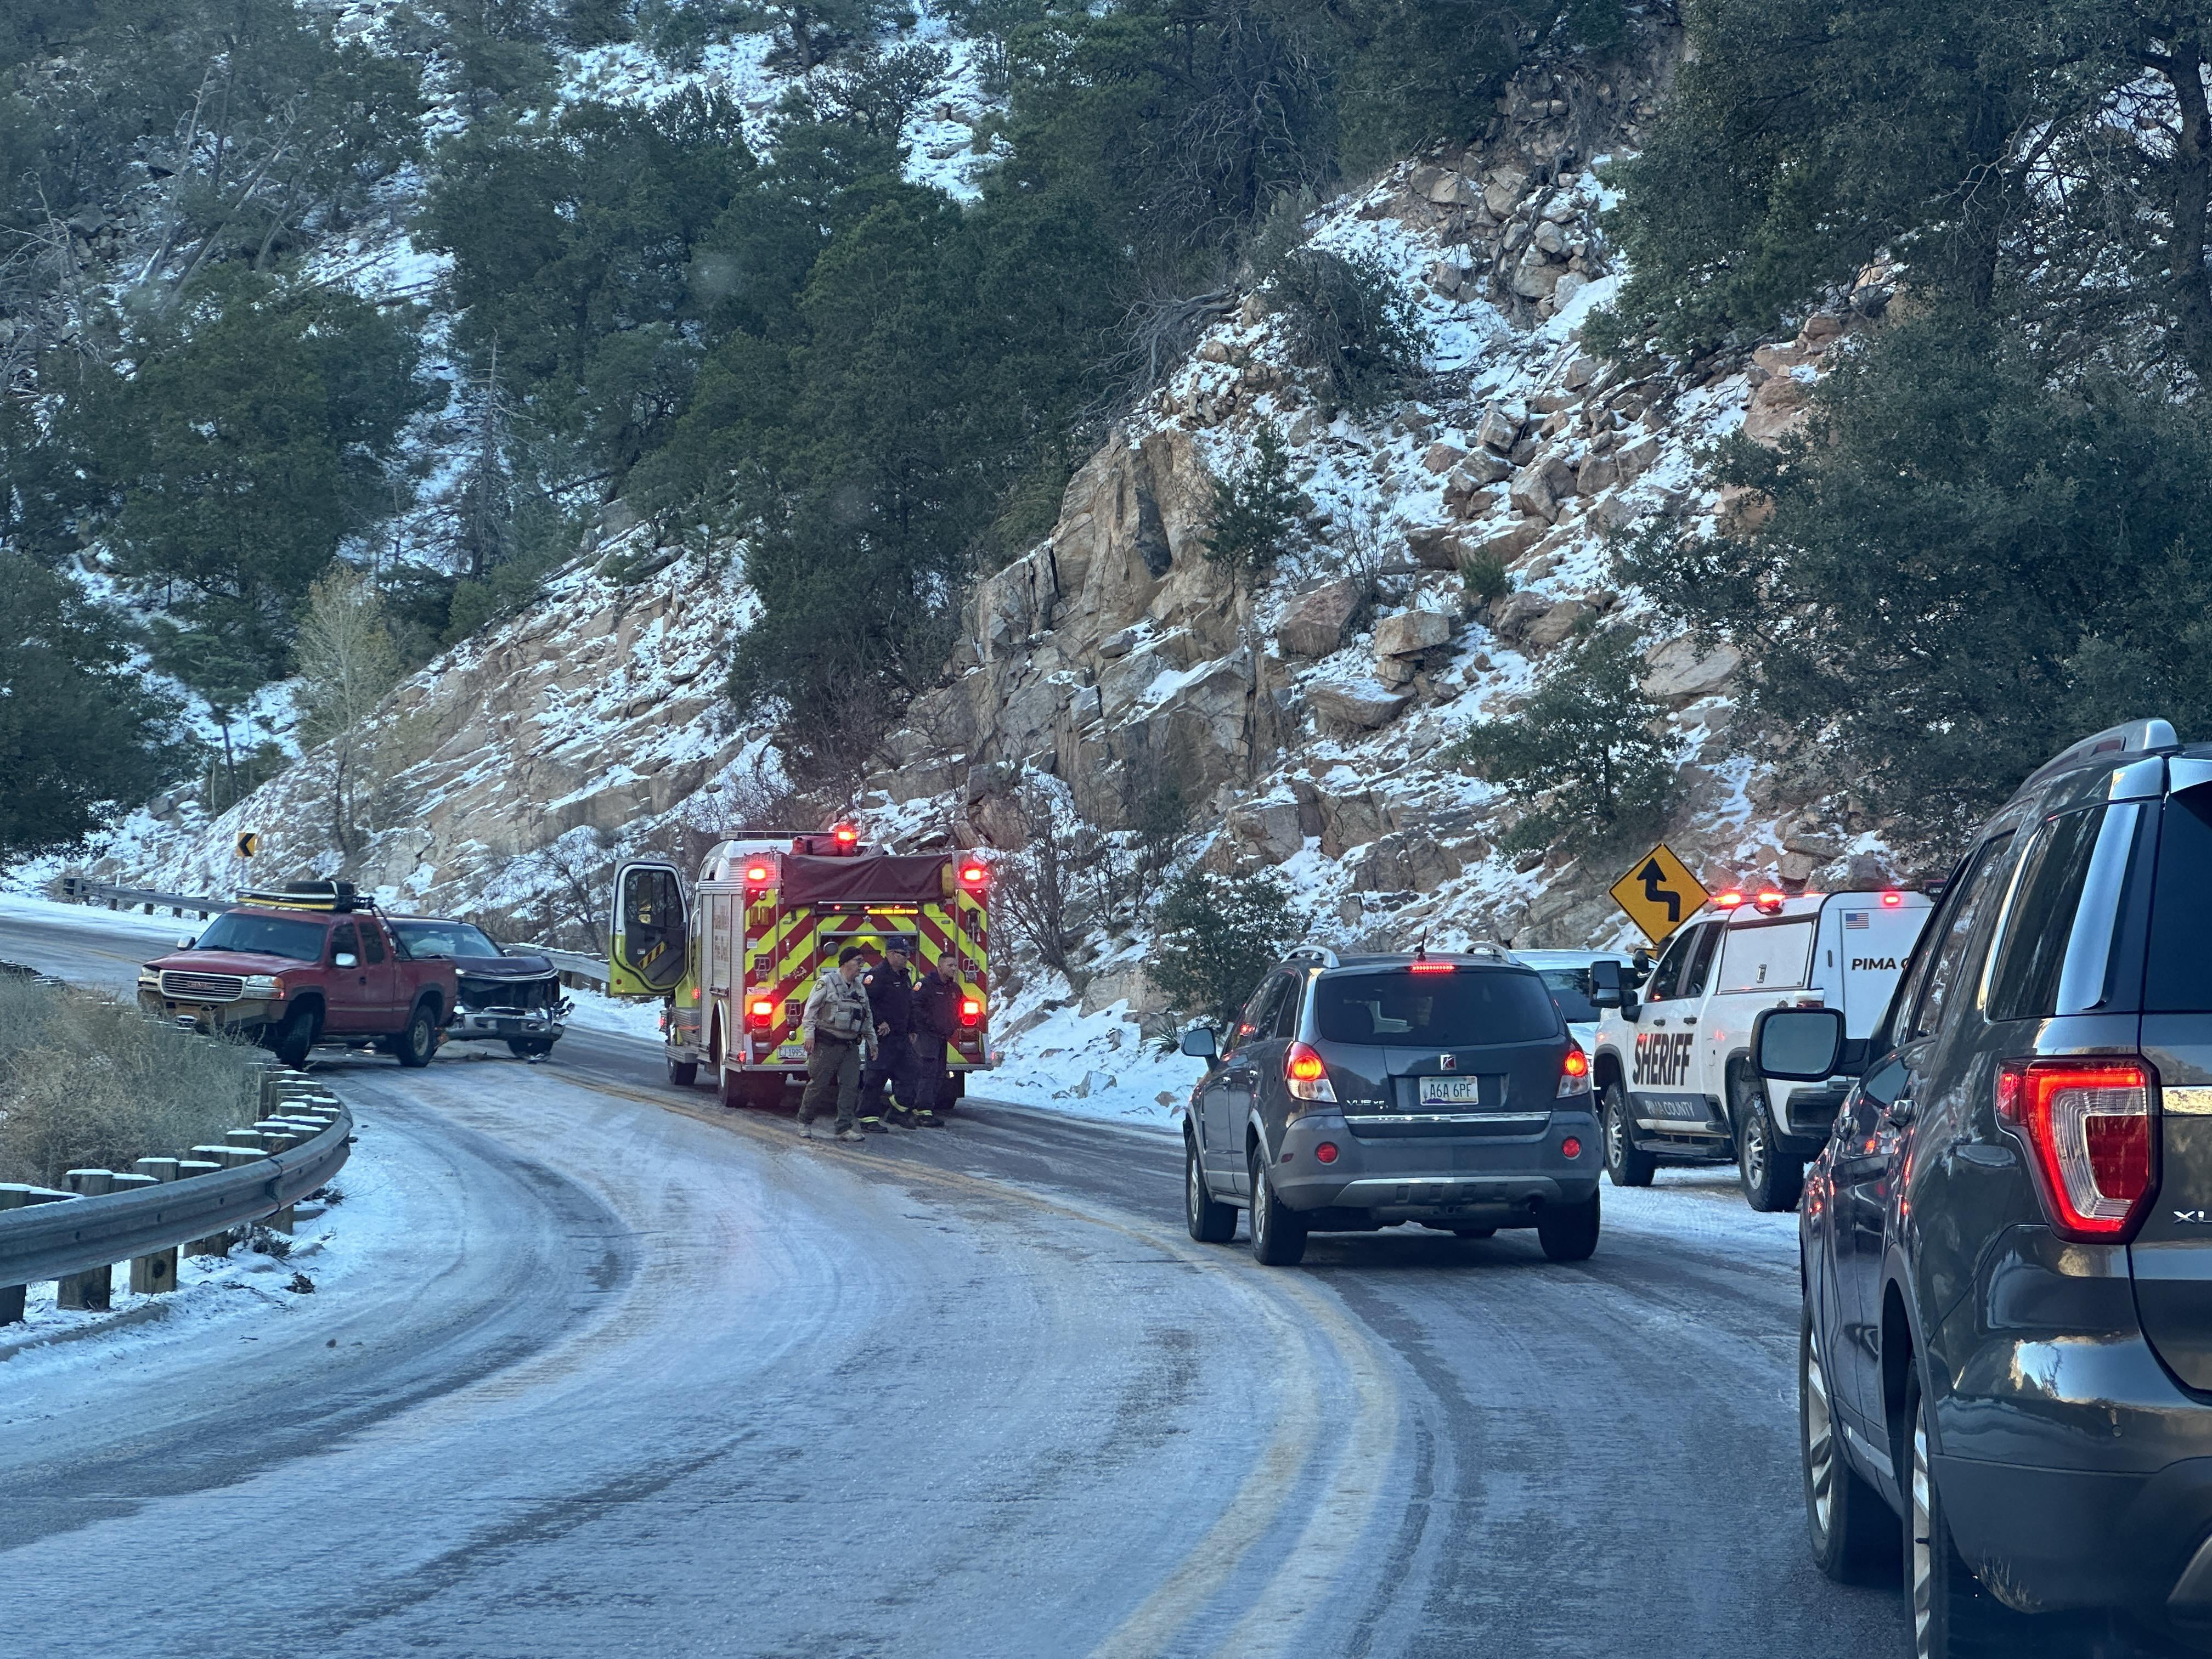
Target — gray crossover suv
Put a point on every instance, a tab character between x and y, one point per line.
2007	1242
1361	1093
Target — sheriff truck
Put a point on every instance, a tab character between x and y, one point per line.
734	958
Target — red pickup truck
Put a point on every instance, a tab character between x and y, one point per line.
312	964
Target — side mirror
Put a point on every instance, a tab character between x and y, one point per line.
1797	1045
1639	966
345	959
186	942
1608	983
1199	1043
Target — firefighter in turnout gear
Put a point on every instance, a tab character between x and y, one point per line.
936	1022
838	1035
890	997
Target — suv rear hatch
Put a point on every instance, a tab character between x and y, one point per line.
1436	1048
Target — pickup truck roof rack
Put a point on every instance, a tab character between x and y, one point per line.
335	896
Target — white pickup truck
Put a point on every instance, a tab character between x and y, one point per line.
1671	1066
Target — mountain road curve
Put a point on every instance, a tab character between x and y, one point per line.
629	1374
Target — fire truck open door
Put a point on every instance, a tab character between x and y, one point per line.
650	930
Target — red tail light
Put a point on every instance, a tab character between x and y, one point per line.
2092	1139
1306	1075
761	1011
1431	967
971	1010
1574	1074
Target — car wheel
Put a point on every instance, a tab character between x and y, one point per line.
1772	1180
1954	1614
1568	1232
1853	1534
1211	1221
419	1040
1279	1236
1623	1164
529	1048
682	1072
297	1034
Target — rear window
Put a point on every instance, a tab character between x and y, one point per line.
1397	1007
266	936
2027	981
2178	978
1571	989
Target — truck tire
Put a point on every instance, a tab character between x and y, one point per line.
1772	1180
418	1039
1953	1614
682	1072
297	1034
1568	1232
1625	1165
1211	1221
1278	1233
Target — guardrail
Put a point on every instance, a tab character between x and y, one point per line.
575	965
146	1215
77	890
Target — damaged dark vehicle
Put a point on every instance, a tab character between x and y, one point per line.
508	996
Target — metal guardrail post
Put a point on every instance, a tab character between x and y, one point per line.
93	1290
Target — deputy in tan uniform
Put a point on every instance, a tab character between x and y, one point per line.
839	1035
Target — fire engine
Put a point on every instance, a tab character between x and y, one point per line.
735	956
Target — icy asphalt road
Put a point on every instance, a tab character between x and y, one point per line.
634	1377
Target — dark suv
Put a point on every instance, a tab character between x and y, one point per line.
2007	1242
1361	1093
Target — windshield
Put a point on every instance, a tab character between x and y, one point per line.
1469	1006
264	936
444	939
1571	989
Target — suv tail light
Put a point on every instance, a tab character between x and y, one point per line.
2092	1141
1574	1073
1305	1076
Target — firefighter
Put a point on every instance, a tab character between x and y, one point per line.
936	1022
838	1037
891	996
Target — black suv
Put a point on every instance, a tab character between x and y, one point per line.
1361	1093
2007	1242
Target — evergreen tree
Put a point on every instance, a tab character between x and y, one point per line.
1583	756
1256	512
81	736
1215	937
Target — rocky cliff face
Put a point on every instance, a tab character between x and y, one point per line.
1305	721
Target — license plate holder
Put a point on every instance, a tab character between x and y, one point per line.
1451	1092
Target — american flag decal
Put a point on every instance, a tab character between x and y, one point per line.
1857	919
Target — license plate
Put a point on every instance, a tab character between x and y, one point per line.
1451	1092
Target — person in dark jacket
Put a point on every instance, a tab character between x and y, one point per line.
891	999
936	1022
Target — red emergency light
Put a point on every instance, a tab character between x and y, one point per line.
972	874
761	1012
1727	901
1890	901
760	875
971	1010
847	836
1768	901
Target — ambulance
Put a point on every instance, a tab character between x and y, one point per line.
735	954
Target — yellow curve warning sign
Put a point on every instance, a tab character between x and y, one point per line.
249	843
1658	892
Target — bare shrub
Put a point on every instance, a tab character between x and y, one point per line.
1039	891
87	1082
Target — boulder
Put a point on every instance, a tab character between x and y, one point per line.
1820	327
1314	626
1127	983
1578	372
1534	276
1550	238
1501	427
1439	547
1503	188
1409	633
1776	407
1676	673
1479	469
1567	286
1361	706
1349	820
1531	494
1631	459
1510	543
1446	276
1555	624
1442	457
1268	830
1512	619
1596	473
1408	859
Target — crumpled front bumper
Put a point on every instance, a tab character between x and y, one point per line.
497	1024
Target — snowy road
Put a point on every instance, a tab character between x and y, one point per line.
626	1374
